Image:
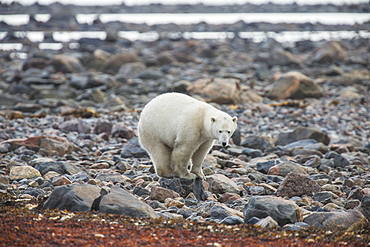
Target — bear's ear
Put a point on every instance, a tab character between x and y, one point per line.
235	119
213	119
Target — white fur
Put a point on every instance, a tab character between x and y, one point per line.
178	131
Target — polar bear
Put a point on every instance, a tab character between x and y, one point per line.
178	131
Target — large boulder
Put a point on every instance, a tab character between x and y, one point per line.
281	210
330	52
295	85
20	172
351	220
79	197
218	90
120	201
285	167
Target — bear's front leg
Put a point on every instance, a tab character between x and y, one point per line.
198	158
180	160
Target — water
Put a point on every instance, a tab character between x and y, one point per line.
209	2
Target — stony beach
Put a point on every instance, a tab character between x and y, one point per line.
297	165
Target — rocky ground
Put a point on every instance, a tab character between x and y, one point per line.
299	160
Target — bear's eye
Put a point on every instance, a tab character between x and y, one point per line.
228	131
220	131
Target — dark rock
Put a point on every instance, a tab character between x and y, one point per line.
253	153
232	220
119	201
295	85
150	74
278	57
258	142
265	166
338	221
133	149
78	197
323	196
60	167
103	127
295	184
131	70
365	206
302	133
113	64
121	130
281	210
140	191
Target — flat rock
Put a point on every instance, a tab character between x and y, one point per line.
75	125
120	201
295	85
161	194
61	167
281	210
258	142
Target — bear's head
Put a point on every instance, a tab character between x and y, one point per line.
223	128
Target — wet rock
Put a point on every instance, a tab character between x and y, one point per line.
295	85
302	133
282	169
113	64
161	194
296	184
220	184
133	149
337	221
20	172
281	210
78	197
75	125
66	64
120	201
218	90
330	52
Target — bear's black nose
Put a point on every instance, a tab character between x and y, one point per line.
224	144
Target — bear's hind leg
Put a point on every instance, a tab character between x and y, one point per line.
180	161
161	158
198	158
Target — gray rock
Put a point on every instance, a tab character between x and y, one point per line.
252	152
232	220
60	167
296	226
112	177
281	210
266	165
75	125
161	194
78	197
282	169
185	186
295	184
120	201
337	221
302	133
220	184
365	206
324	196
133	149
258	142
